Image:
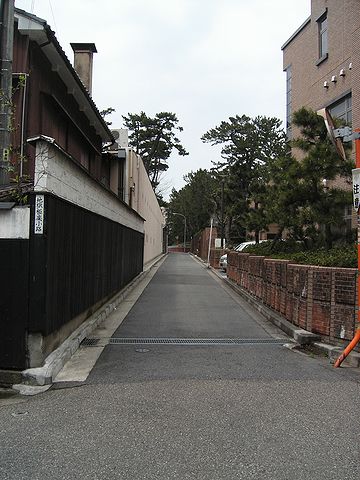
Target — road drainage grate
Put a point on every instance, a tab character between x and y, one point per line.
197	341
90	342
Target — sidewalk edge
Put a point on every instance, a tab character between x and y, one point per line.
44	375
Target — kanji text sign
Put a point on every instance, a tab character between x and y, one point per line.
39	214
356	188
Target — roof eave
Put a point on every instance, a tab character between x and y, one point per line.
40	32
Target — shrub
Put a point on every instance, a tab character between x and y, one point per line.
344	256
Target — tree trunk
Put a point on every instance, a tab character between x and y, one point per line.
328	237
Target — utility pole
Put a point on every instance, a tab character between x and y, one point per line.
6	56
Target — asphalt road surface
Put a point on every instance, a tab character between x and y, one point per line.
209	410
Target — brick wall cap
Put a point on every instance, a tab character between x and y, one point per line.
277	260
299	266
332	269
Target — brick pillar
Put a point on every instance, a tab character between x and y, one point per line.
332	306
309	306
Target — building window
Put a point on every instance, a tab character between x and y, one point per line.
342	109
288	101
323	36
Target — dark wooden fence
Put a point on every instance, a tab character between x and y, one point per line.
80	260
14	261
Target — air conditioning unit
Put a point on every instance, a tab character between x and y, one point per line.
121	136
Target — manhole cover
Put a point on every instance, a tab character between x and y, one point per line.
19	414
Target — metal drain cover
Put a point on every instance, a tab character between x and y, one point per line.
197	341
90	342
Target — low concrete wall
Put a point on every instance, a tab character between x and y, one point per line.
321	300
15	223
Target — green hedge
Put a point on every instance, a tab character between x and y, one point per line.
344	256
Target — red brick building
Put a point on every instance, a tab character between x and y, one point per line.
322	61
322	65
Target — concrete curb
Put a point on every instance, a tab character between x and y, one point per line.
44	375
333	352
301	336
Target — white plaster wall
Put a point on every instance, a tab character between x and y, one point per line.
15	223
56	173
145	203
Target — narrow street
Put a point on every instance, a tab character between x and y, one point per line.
230	400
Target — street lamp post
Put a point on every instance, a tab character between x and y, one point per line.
181	215
222	177
222	212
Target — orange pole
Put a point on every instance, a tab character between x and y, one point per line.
356	338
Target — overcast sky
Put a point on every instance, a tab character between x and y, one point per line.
204	60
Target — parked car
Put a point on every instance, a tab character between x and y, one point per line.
238	248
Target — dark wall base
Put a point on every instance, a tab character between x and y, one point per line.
14	261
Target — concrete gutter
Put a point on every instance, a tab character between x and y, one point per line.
42	376
301	336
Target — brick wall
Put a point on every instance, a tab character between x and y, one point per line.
215	254
321	300
200	242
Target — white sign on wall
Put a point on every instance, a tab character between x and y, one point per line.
39	214
217	242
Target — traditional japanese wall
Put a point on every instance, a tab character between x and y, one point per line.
78	261
142	199
14	260
65	254
56	173
321	300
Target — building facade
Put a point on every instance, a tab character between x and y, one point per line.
322	62
130	179
322	65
